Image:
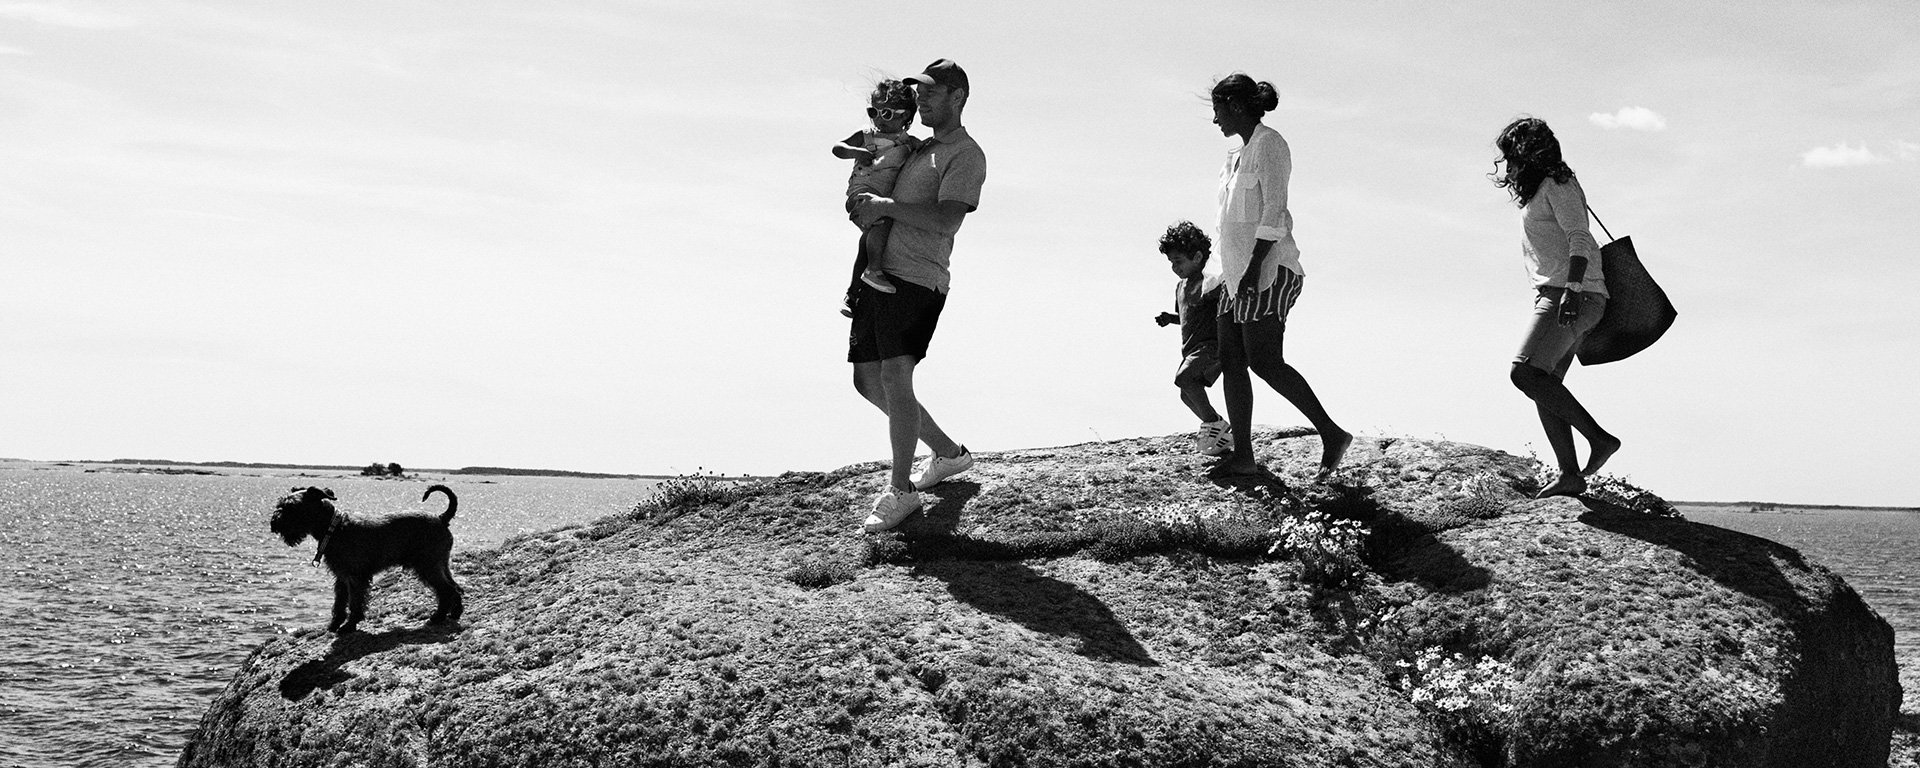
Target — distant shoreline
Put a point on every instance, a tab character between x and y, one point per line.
1777	507
247	465
1753	507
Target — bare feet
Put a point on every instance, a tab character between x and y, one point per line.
1235	465
1569	484
1601	452
1333	448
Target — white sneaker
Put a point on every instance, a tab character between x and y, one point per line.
878	281
890	508
938	468
1214	438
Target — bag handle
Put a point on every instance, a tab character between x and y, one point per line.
1603	225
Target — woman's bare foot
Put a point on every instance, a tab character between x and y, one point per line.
1235	465
1333	448
1602	451
1569	484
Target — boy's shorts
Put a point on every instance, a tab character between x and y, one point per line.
1550	346
1199	368
889	325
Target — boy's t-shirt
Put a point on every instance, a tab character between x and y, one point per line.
1197	302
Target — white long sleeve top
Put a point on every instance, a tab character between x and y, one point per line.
1253	206
1555	221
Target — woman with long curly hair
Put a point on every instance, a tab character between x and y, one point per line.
1570	294
1260	274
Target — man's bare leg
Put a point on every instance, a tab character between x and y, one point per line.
888	384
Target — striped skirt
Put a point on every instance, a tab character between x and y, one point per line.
1276	299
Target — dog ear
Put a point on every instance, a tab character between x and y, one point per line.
329	493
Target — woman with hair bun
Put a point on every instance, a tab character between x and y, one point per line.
1570	294
1260	274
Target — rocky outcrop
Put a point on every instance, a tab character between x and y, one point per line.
1101	604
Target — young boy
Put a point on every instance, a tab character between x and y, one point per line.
1196	300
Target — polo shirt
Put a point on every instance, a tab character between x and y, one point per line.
949	168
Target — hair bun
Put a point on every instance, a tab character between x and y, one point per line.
1269	98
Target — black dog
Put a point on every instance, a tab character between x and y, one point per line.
357	549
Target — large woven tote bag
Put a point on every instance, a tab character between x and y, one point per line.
1638	311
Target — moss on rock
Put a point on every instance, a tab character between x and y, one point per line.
1095	605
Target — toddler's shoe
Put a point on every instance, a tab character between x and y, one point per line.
938	468
890	508
878	281
1214	438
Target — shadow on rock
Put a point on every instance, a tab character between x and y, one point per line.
1419	556
943	518
326	672
1041	603
1261	483
1846	680
1738	561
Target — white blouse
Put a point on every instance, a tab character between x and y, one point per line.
1253	206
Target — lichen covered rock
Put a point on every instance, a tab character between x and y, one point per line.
1093	605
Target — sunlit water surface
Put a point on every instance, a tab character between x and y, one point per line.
128	600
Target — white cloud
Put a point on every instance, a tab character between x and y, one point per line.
1636	118
60	15
1907	150
1840	155
8	50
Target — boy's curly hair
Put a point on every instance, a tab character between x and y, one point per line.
1184	237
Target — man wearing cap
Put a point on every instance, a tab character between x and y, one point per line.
937	188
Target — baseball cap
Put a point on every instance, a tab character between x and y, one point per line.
942	72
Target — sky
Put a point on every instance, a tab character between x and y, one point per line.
608	236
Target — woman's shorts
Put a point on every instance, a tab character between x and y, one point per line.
889	325
1550	346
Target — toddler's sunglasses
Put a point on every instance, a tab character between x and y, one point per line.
888	114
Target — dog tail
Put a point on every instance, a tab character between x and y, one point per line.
453	502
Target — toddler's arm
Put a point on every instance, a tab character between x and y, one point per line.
850	149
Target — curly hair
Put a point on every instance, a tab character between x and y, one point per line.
1532	156
1184	237
892	93
1256	99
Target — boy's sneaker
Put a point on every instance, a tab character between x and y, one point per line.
938	468
878	281
890	508
1214	438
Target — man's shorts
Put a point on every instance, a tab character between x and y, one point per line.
1550	346
889	325
1199	368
